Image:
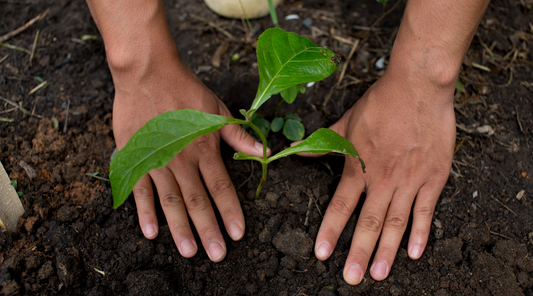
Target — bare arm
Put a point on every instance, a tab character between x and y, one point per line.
404	128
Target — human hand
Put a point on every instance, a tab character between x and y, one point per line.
405	132
165	85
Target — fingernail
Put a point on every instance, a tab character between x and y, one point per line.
187	247
380	268
323	251
415	252
235	231
215	251
259	147
295	143
354	275
149	230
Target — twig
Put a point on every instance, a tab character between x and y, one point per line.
25	26
518	119
4	58
495	233
22	109
504	205
34	45
249	178
66	118
41	85
3	119
309	207
218	27
510	79
15	47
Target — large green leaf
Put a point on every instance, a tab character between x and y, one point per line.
155	144
285	59
321	141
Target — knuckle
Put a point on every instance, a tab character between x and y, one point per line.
208	232
396	222
197	203
171	199
424	211
205	144
339	206
370	222
141	192
220	187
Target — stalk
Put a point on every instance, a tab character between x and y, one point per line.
264	162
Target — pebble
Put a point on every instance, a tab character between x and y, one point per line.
307	22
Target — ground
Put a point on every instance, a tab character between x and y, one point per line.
72	242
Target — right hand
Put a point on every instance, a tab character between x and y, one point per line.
162	85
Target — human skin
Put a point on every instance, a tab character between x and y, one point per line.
150	79
404	129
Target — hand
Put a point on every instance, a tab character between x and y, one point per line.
405	132
164	85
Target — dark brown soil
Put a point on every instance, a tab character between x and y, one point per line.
72	242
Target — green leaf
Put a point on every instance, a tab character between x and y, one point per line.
289	94
156	144
293	130
289	115
285	59
459	86
322	141
277	124
301	88
263	125
14	183
245	156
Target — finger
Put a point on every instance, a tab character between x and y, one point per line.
199	207
393	229
238	138
339	210
366	234
423	210
175	211
144	199
223	193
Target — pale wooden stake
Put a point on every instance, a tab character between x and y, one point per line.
10	206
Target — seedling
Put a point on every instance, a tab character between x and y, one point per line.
284	60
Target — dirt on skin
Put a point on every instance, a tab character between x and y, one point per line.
72	242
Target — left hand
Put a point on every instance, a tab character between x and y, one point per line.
405	132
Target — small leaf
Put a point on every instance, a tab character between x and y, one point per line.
14	183
322	141
289	94
277	124
285	59
263	125
293	130
289	115
301	89
245	156
460	87
243	112
156	144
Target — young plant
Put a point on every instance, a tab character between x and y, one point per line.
285	60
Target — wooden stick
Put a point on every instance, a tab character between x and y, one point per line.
10	205
27	25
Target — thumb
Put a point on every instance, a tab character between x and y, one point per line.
238	138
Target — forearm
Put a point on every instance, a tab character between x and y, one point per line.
434	37
135	34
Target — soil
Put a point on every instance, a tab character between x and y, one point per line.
72	242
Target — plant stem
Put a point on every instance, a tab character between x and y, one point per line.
277	109
264	161
273	13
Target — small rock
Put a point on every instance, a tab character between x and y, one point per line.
288	262
67	214
320	267
30	223
395	290
307	22
262	204
10	288
269	230
293	242
46	271
272	199
439	233
449	251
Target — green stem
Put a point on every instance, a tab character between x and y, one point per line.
264	161
277	109
273	13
